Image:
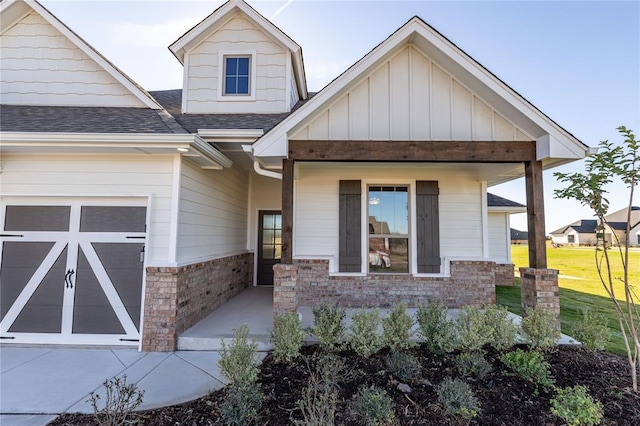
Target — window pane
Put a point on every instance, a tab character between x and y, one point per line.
243	85
388	210
268	252
232	66
243	66
268	236
267	221
230	85
389	255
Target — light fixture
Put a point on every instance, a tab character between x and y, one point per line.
183	149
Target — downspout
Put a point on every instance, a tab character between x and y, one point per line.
258	169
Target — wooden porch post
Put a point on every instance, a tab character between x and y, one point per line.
535	215
287	211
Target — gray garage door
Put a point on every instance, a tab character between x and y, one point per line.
72	274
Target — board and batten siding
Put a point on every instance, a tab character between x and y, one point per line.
212	217
316	215
40	66
409	97
201	68
80	175
498	239
265	194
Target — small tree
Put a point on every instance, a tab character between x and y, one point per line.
589	188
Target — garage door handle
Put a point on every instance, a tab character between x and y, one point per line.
11	235
67	278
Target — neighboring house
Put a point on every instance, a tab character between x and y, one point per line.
587	231
129	216
518	237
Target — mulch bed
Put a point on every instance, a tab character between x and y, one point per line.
505	399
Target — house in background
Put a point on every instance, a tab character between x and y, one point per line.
129	216
518	237
586	232
582	232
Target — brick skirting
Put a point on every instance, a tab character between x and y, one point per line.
177	298
505	274
307	283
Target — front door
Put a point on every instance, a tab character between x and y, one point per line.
71	273
269	244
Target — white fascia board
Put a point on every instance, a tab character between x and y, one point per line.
230	133
12	12
111	69
549	146
510	210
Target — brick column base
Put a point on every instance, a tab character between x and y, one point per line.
504	274
539	287
284	288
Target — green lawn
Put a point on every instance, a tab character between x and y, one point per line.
580	286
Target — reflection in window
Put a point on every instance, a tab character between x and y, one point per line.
388	229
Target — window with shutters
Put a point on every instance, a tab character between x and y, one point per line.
388	229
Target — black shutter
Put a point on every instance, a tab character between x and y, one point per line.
428	224
350	226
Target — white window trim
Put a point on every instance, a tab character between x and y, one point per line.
252	54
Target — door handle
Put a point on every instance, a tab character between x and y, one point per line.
67	278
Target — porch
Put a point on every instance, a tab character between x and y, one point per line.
254	306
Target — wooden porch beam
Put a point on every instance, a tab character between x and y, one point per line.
535	215
413	151
287	212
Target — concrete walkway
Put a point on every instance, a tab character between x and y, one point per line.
37	383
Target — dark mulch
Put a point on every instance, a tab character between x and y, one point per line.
505	399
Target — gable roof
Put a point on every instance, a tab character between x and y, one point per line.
220	16
582	226
555	145
497	201
13	11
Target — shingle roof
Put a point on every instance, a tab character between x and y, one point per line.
583	226
519	235
618	226
497	201
29	118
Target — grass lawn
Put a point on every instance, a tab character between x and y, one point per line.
580	286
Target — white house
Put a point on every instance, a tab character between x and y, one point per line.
128	216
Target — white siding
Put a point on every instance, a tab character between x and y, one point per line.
239	35
409	97
98	175
316	206
40	66
212	218
266	194
498	234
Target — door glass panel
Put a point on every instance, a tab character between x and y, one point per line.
43	311
113	219
268	252
37	218
268	221
268	236
122	263
92	312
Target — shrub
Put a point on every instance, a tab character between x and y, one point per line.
593	331
473	364
539	328
328	326
438	333
458	398
397	329
472	329
529	365
503	330
286	337
319	399
365	339
403	365
575	406
238	360
241	405
374	406
120	401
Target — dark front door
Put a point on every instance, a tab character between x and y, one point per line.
269	244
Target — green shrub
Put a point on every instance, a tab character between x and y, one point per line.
364	338
575	406
241	405
286	337
404	366
473	364
472	329
397	329
328	326
458	398
503	330
238	361
319	400
539	328
374	406
592	331
438	333
529	365
120	401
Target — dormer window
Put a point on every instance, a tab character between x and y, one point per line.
237	76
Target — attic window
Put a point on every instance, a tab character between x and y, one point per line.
237	76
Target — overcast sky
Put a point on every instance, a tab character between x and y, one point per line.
577	61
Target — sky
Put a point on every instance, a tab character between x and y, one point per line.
576	61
